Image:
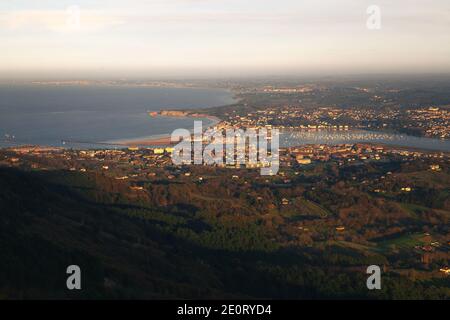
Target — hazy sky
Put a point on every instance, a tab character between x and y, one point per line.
222	37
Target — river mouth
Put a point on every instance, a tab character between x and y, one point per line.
292	137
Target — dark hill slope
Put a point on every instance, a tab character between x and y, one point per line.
128	249
47	224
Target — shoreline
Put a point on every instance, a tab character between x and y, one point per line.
165	139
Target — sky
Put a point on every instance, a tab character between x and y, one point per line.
195	38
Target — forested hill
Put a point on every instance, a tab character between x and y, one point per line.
127	248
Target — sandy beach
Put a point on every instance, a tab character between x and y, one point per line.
161	141
165	140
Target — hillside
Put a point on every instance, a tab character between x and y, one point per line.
128	248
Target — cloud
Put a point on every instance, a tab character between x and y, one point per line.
71	19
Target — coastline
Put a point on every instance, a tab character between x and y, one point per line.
165	139
147	142
139	128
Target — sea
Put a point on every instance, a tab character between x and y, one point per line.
95	116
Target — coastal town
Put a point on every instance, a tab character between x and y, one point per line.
429	122
143	159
